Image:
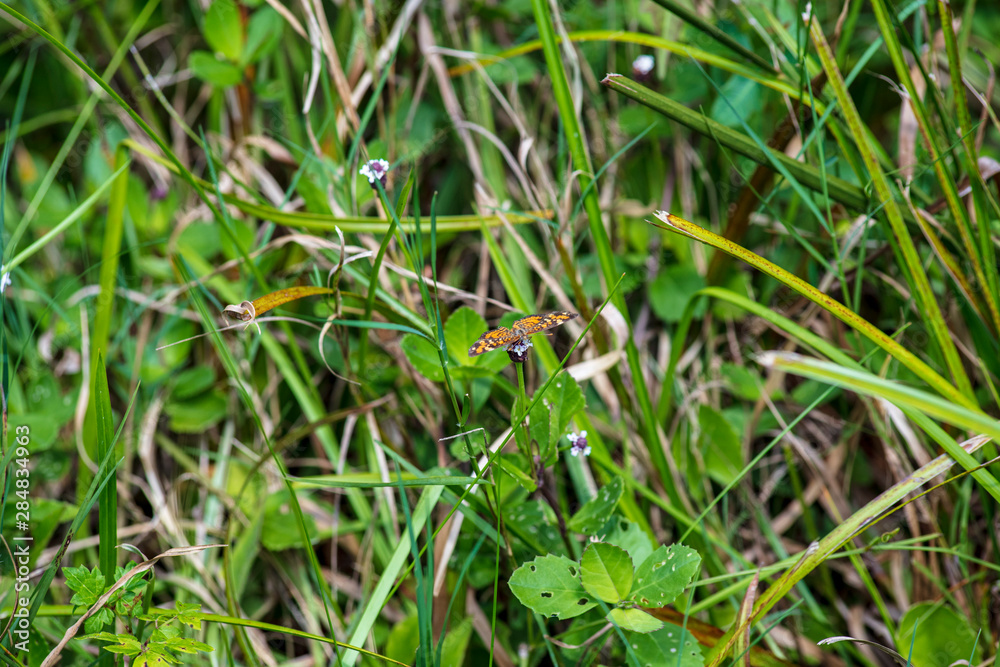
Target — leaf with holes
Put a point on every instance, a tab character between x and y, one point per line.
606	572
630	536
550	585
663	575
635	620
595	513
669	646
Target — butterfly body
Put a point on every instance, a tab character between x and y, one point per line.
526	326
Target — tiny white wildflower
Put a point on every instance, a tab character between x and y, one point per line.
579	442
644	64
5	280
375	170
521	346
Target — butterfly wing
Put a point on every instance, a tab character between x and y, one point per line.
532	324
492	340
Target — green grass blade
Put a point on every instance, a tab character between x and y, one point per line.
927	305
581	162
899	394
378	597
844	314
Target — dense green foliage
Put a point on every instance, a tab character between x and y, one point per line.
234	357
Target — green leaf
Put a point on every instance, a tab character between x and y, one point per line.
539	430
421	353
516	465
663	648
630	536
537	523
671	290
263	35
188	614
738	99
87	585
595	513
606	572
223	29
664	575
196	415
462	329
281	530
635	620
550	585
404	640
216	72
565	399
742	381
720	445
934	623
191	382
123	643
456	644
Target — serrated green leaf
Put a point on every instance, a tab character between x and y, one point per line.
421	353
664	575
216	72
634	620
595	512
87	585
606	572
550	585
223	29
98	620
189	614
670	646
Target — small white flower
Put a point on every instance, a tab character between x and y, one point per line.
375	170
521	346
644	64
579	443
5	280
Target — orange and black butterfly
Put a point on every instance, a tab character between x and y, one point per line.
524	327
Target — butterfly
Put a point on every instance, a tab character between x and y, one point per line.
532	324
